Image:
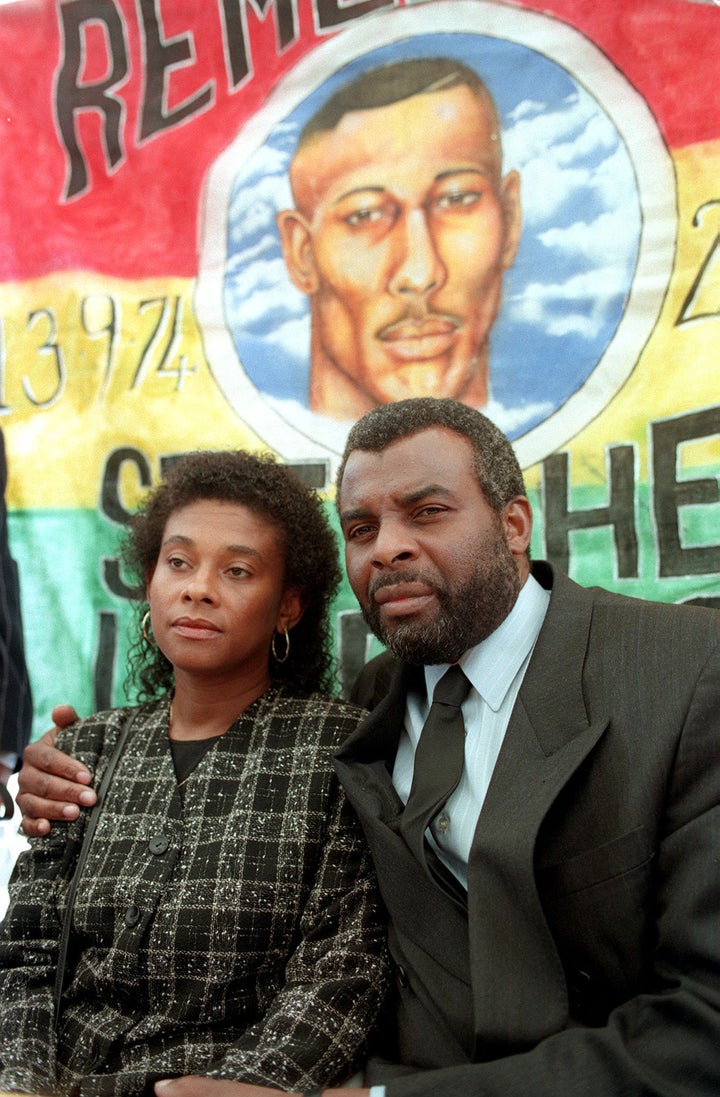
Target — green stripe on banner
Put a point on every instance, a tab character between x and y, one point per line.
78	627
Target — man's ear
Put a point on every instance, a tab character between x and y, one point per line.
296	240
291	609
517	523
512	213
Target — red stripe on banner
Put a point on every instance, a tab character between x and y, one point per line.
126	223
139	218
669	51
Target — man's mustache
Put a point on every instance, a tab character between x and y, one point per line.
417	321
399	578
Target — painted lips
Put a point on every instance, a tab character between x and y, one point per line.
424	339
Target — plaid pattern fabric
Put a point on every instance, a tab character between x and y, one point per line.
229	929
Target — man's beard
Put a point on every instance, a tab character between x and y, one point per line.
468	613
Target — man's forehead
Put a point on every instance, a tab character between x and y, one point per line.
433	459
445	128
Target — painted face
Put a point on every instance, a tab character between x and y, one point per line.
216	593
434	568
403	231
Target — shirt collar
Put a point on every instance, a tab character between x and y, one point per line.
493	664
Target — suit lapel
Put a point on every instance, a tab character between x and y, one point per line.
418	905
513	954
518	980
364	761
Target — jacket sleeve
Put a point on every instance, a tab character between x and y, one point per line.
30	934
29	939
665	1041
315	1029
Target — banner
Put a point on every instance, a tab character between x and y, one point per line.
243	222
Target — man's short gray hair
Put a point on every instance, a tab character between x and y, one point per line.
496	466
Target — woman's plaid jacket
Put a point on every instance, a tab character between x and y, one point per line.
230	929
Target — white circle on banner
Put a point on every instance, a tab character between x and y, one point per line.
597	249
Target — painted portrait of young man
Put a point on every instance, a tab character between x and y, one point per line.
448	214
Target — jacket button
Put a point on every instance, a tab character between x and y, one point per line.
158	844
132	915
401	975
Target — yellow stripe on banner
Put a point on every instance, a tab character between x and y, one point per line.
677	371
91	364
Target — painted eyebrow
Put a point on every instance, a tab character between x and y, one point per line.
360	190
438	178
483	172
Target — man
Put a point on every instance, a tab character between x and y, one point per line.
403	228
15	695
556	933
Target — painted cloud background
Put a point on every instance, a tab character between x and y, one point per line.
566	292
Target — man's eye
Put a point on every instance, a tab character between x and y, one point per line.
176	563
358	531
458	199
430	511
365	216
239	572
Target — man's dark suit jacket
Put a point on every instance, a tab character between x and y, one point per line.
15	697
586	959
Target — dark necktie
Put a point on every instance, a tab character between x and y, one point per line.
438	759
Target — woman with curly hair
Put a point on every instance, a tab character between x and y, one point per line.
223	918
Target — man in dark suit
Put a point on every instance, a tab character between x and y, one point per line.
15	696
556	930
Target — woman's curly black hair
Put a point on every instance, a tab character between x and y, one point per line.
273	492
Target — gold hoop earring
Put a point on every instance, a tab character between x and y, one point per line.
147	637
287	647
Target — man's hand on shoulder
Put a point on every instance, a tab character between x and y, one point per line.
52	786
192	1086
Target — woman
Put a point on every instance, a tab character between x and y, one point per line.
226	921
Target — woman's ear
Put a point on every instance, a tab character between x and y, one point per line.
296	240
291	609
